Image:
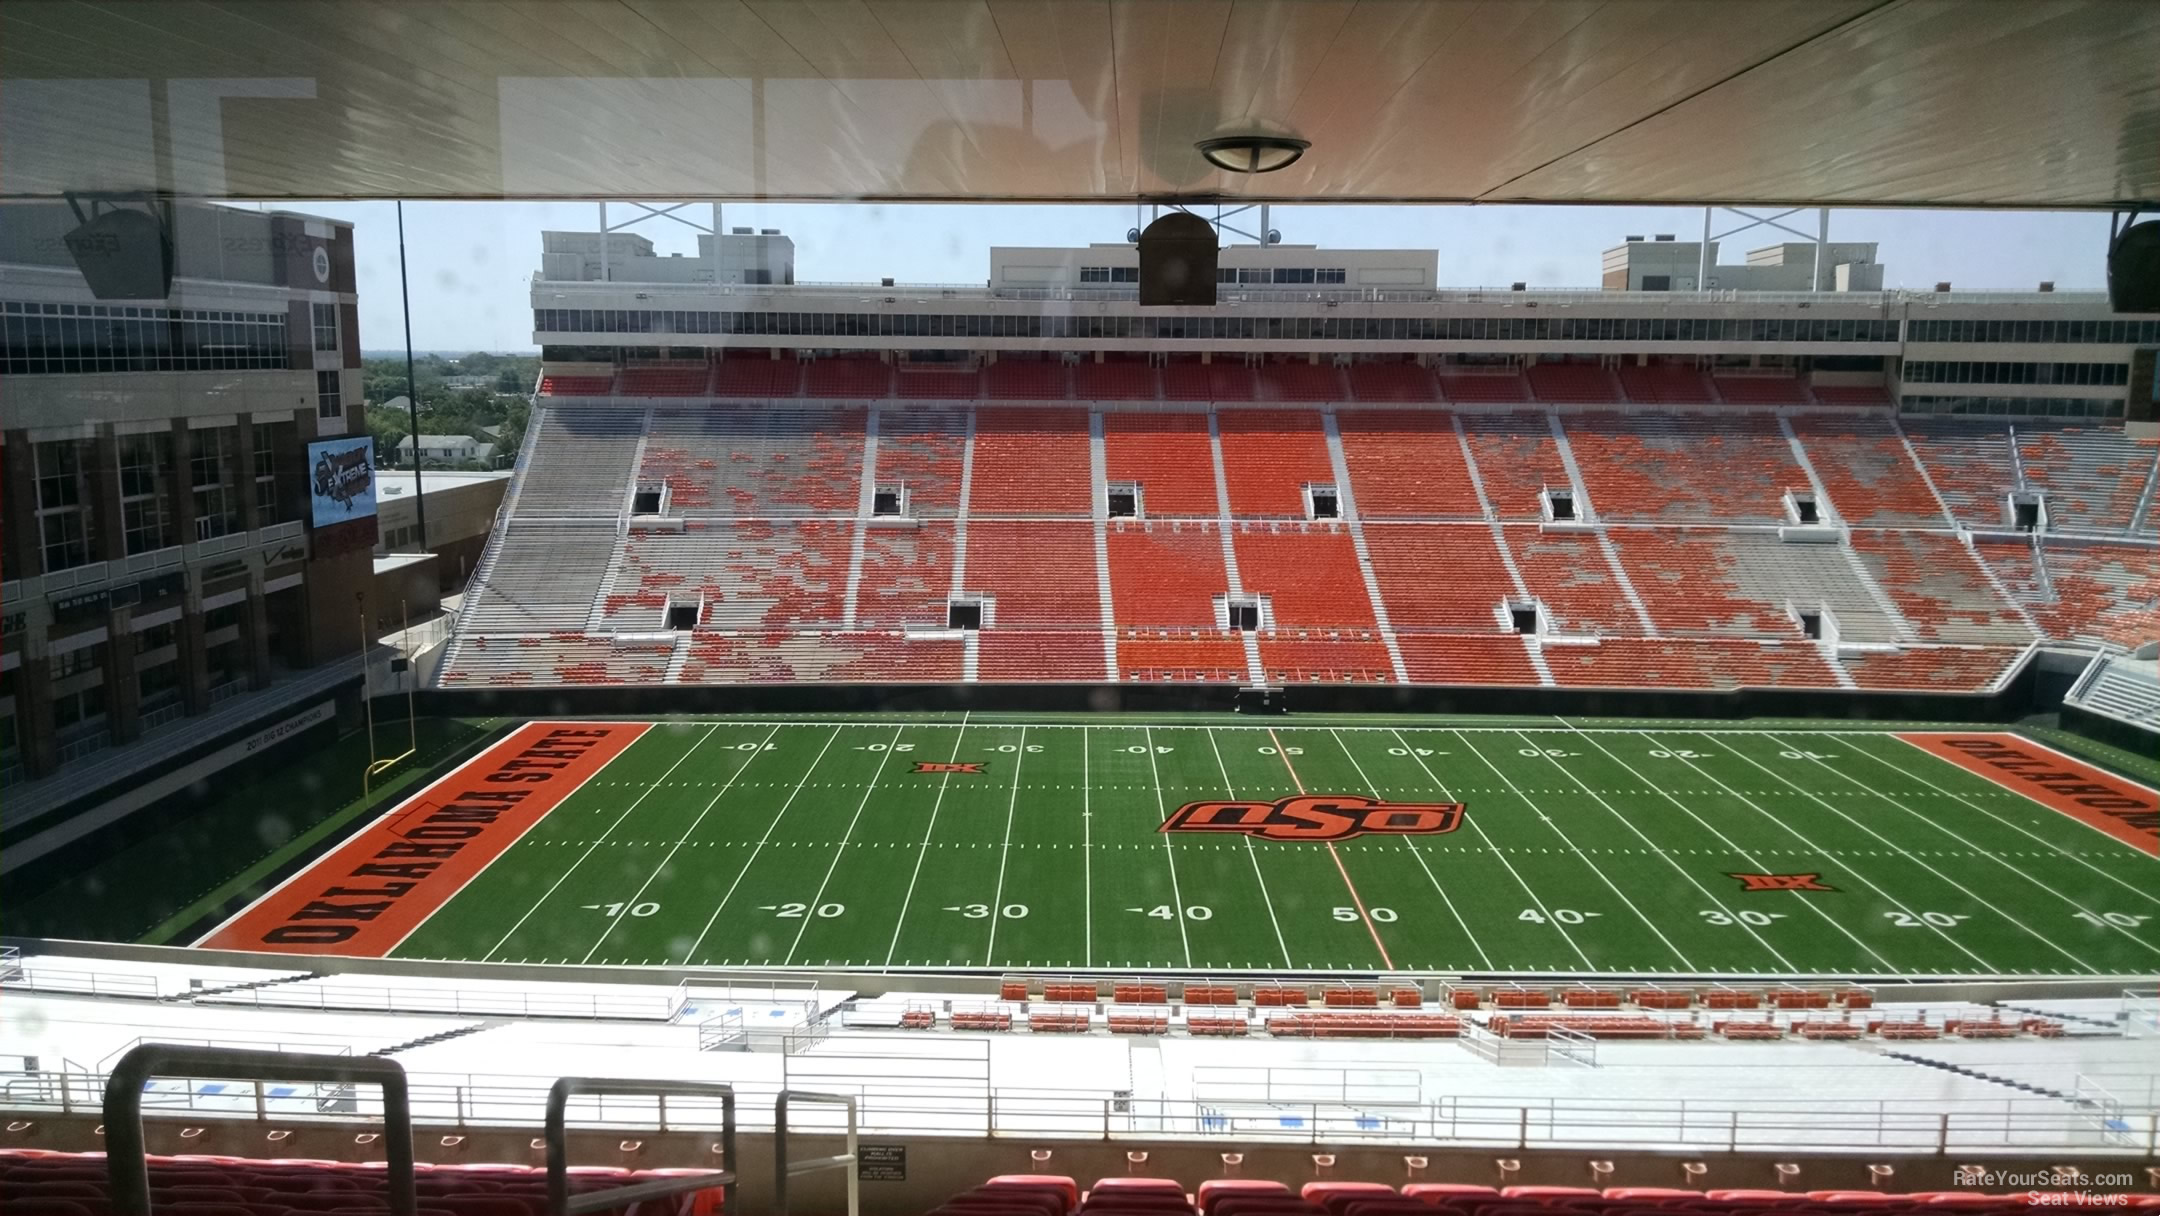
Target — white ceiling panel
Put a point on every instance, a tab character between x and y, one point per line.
2015	103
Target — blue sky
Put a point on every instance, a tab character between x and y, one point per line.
471	263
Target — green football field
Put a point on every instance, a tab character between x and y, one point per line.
1695	850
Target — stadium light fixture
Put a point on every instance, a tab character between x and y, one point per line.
1253	153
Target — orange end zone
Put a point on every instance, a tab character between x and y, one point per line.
2122	808
362	899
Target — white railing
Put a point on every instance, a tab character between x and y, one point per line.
1918	1126
505	1002
36	978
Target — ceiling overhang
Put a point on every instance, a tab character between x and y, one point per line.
1945	103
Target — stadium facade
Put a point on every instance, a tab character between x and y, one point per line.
169	568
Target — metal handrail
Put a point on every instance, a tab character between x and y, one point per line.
562	1203
784	1170
127	1165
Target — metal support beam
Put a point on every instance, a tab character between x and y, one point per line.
556	1137
128	1171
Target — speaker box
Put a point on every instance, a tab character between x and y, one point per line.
1177	261
123	255
2133	269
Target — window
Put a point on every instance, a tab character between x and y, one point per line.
266	495
59	474
145	466
328	403
1094	274
1330	274
65	545
63	527
79	661
326	326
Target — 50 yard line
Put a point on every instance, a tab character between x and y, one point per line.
1349	886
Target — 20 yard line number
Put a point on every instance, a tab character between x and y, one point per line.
797	911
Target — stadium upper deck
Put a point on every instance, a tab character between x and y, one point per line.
1036	479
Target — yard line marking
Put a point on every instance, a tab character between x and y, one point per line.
1519	877
1420	857
841	851
1749	855
1087	858
923	850
1475	826
1961	946
770	824
997	902
1230	791
550	892
1162	813
687	834
1682	871
2133	888
2029	879
1341	869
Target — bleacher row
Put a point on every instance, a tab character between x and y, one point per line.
1186	378
764	521
1059	1195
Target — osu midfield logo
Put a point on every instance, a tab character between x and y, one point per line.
1321	817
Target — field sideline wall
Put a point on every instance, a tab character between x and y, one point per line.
2018	696
871	983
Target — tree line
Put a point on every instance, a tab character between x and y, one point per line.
481	395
